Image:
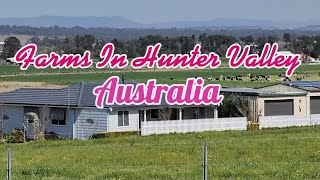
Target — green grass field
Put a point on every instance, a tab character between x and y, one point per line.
162	76
290	153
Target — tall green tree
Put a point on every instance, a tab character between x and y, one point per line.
287	37
247	39
35	40
11	46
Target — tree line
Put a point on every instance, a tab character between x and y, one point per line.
124	34
300	44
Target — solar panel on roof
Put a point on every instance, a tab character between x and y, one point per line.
305	85
311	88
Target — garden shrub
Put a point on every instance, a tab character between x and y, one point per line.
16	136
51	136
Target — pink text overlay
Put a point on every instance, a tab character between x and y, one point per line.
192	92
238	56
151	93
268	58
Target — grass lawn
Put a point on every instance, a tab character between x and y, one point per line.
290	153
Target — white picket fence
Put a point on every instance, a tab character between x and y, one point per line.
315	119
223	124
193	125
287	121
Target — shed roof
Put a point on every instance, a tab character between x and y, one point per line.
260	92
286	53
309	86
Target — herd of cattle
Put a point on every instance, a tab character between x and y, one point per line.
253	77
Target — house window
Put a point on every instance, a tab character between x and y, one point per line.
123	118
154	113
30	109
58	116
199	113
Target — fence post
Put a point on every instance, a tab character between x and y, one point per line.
205	161
9	164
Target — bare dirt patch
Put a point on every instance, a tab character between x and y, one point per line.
11	86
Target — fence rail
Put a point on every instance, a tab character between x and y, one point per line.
287	121
193	125
222	124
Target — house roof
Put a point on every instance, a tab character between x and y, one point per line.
260	92
78	95
38	96
309	86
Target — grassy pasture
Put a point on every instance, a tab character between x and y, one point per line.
290	153
162	76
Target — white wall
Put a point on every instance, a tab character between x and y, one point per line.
133	121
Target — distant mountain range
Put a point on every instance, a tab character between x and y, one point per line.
90	21
121	22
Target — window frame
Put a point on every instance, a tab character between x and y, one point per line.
65	118
123	119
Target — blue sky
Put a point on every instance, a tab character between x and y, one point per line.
149	11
